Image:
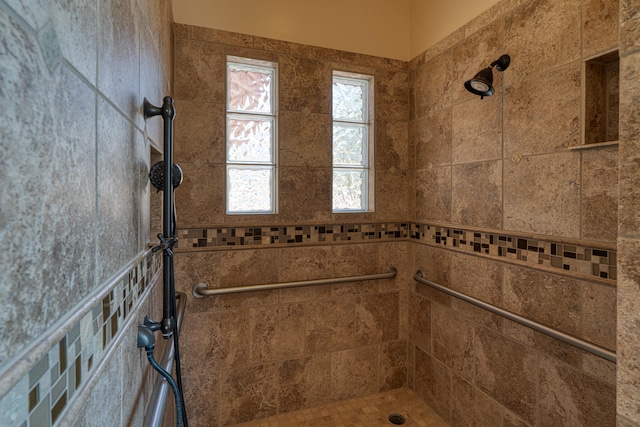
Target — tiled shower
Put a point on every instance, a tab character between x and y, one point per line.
497	198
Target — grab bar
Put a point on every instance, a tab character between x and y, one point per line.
154	416
200	290
570	339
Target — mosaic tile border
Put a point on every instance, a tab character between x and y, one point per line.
41	396
584	260
287	235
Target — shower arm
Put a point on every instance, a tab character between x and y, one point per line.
167	238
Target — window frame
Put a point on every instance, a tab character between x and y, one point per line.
272	116
367	196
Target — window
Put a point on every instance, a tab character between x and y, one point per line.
352	142
251	136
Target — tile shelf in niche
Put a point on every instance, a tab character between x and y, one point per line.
595	145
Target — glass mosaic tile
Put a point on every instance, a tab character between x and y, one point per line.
54	379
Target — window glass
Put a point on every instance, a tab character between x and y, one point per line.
352	139
251	141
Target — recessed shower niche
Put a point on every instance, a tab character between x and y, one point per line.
602	99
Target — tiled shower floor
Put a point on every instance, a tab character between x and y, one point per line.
368	411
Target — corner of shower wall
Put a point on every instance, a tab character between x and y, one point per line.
91	277
509	212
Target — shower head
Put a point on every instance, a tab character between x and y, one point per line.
482	83
156	175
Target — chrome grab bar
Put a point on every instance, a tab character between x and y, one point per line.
155	411
569	339
201	290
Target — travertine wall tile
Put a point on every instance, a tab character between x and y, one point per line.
434	263
553	25
201	398
431	138
391	150
476	52
477	130
392	194
599	368
629	187
217	340
248	393
432	85
420	322
477	194
118	55
599	314
542	114
109	384
330	325
77	34
354	260
433	383
77	210
453	341
599	25
305	83
392	365
628	340
471	407
506	371
305	264
392	95
304	383
304	141
477	277
377	318
305	194
192	268
400	256
433	194
199	133
220	36
205	181
570	397
199	63
629	26
277	332
234	272
555	209
118	212
354	372
545	298
600	194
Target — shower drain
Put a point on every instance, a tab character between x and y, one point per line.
397	419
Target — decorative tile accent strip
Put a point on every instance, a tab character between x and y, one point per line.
41	396
287	235
578	259
583	260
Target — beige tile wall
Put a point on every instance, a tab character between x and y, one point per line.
443	156
75	150
304	126
628	406
297	347
258	354
502	163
